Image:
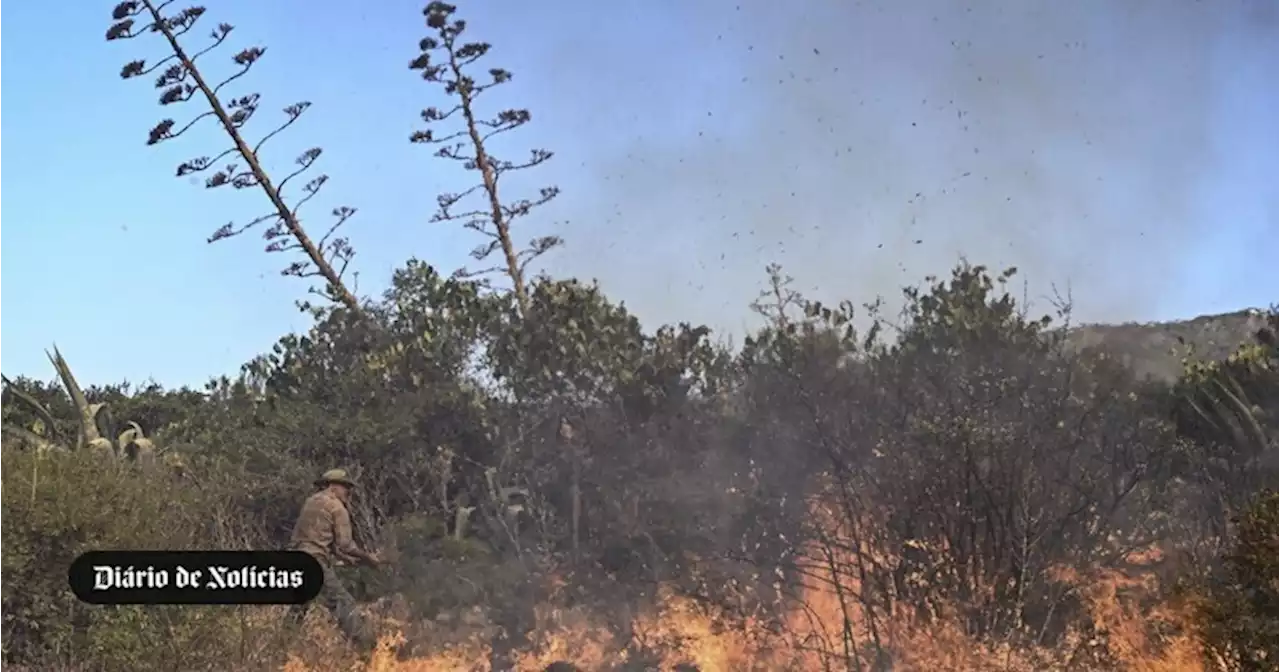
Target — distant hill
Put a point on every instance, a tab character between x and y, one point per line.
1154	350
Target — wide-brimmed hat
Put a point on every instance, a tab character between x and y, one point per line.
338	476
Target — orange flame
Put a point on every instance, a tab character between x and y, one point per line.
820	628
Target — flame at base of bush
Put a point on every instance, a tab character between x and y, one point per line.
1130	630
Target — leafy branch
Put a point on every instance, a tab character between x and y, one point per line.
180	80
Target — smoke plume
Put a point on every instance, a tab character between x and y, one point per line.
865	144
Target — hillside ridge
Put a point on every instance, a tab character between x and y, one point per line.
1155	349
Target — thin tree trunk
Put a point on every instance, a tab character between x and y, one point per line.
491	188
286	215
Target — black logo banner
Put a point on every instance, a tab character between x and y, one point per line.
195	577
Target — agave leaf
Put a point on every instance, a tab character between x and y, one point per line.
1204	414
127	437
23	435
1246	419
1223	420
461	518
103	419
38	408
101	446
88	425
132	430
1225	383
141	449
100	414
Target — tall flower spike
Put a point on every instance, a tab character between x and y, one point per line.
180	79
444	60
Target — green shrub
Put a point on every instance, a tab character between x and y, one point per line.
59	505
434	571
1239	618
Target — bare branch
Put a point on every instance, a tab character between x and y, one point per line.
342	214
310	189
292	112
245	60
201	164
163	130
218	35
522	207
230	229
538	247
304	161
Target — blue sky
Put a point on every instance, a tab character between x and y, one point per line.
1123	149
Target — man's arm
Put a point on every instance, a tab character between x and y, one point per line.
343	541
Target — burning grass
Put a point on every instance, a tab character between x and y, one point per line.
1124	620
1127	628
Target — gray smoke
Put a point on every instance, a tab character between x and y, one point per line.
866	144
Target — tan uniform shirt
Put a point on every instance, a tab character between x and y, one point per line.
324	529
